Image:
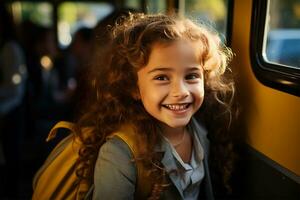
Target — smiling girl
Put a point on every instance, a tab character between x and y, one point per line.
161	80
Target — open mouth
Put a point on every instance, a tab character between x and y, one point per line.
177	107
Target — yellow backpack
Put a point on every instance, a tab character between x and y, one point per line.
57	179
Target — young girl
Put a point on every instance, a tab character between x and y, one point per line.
161	79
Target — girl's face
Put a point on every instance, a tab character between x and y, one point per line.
171	85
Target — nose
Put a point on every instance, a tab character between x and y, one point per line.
180	90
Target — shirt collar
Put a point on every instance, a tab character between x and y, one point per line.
199	133
168	161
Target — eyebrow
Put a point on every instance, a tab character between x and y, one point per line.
160	69
194	69
171	69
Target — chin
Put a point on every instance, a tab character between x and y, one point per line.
180	124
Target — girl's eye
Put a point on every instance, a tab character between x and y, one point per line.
192	76
161	78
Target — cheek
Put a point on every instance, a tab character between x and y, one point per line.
151	99
199	94
147	96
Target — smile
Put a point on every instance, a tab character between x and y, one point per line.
177	107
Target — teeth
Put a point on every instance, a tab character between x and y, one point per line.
176	106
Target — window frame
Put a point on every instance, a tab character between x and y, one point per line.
273	75
229	23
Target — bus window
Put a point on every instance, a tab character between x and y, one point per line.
214	13
133	4
39	13
75	15
154	6
275	44
282	41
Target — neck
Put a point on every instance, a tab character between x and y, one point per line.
173	134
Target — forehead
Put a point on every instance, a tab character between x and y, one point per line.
177	52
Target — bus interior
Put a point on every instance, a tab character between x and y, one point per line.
56	39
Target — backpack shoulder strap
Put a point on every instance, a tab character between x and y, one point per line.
143	183
62	124
54	182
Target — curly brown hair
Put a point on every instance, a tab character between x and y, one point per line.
113	83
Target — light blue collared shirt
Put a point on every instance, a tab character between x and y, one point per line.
115	174
190	175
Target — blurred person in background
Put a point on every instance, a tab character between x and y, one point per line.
13	76
72	65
